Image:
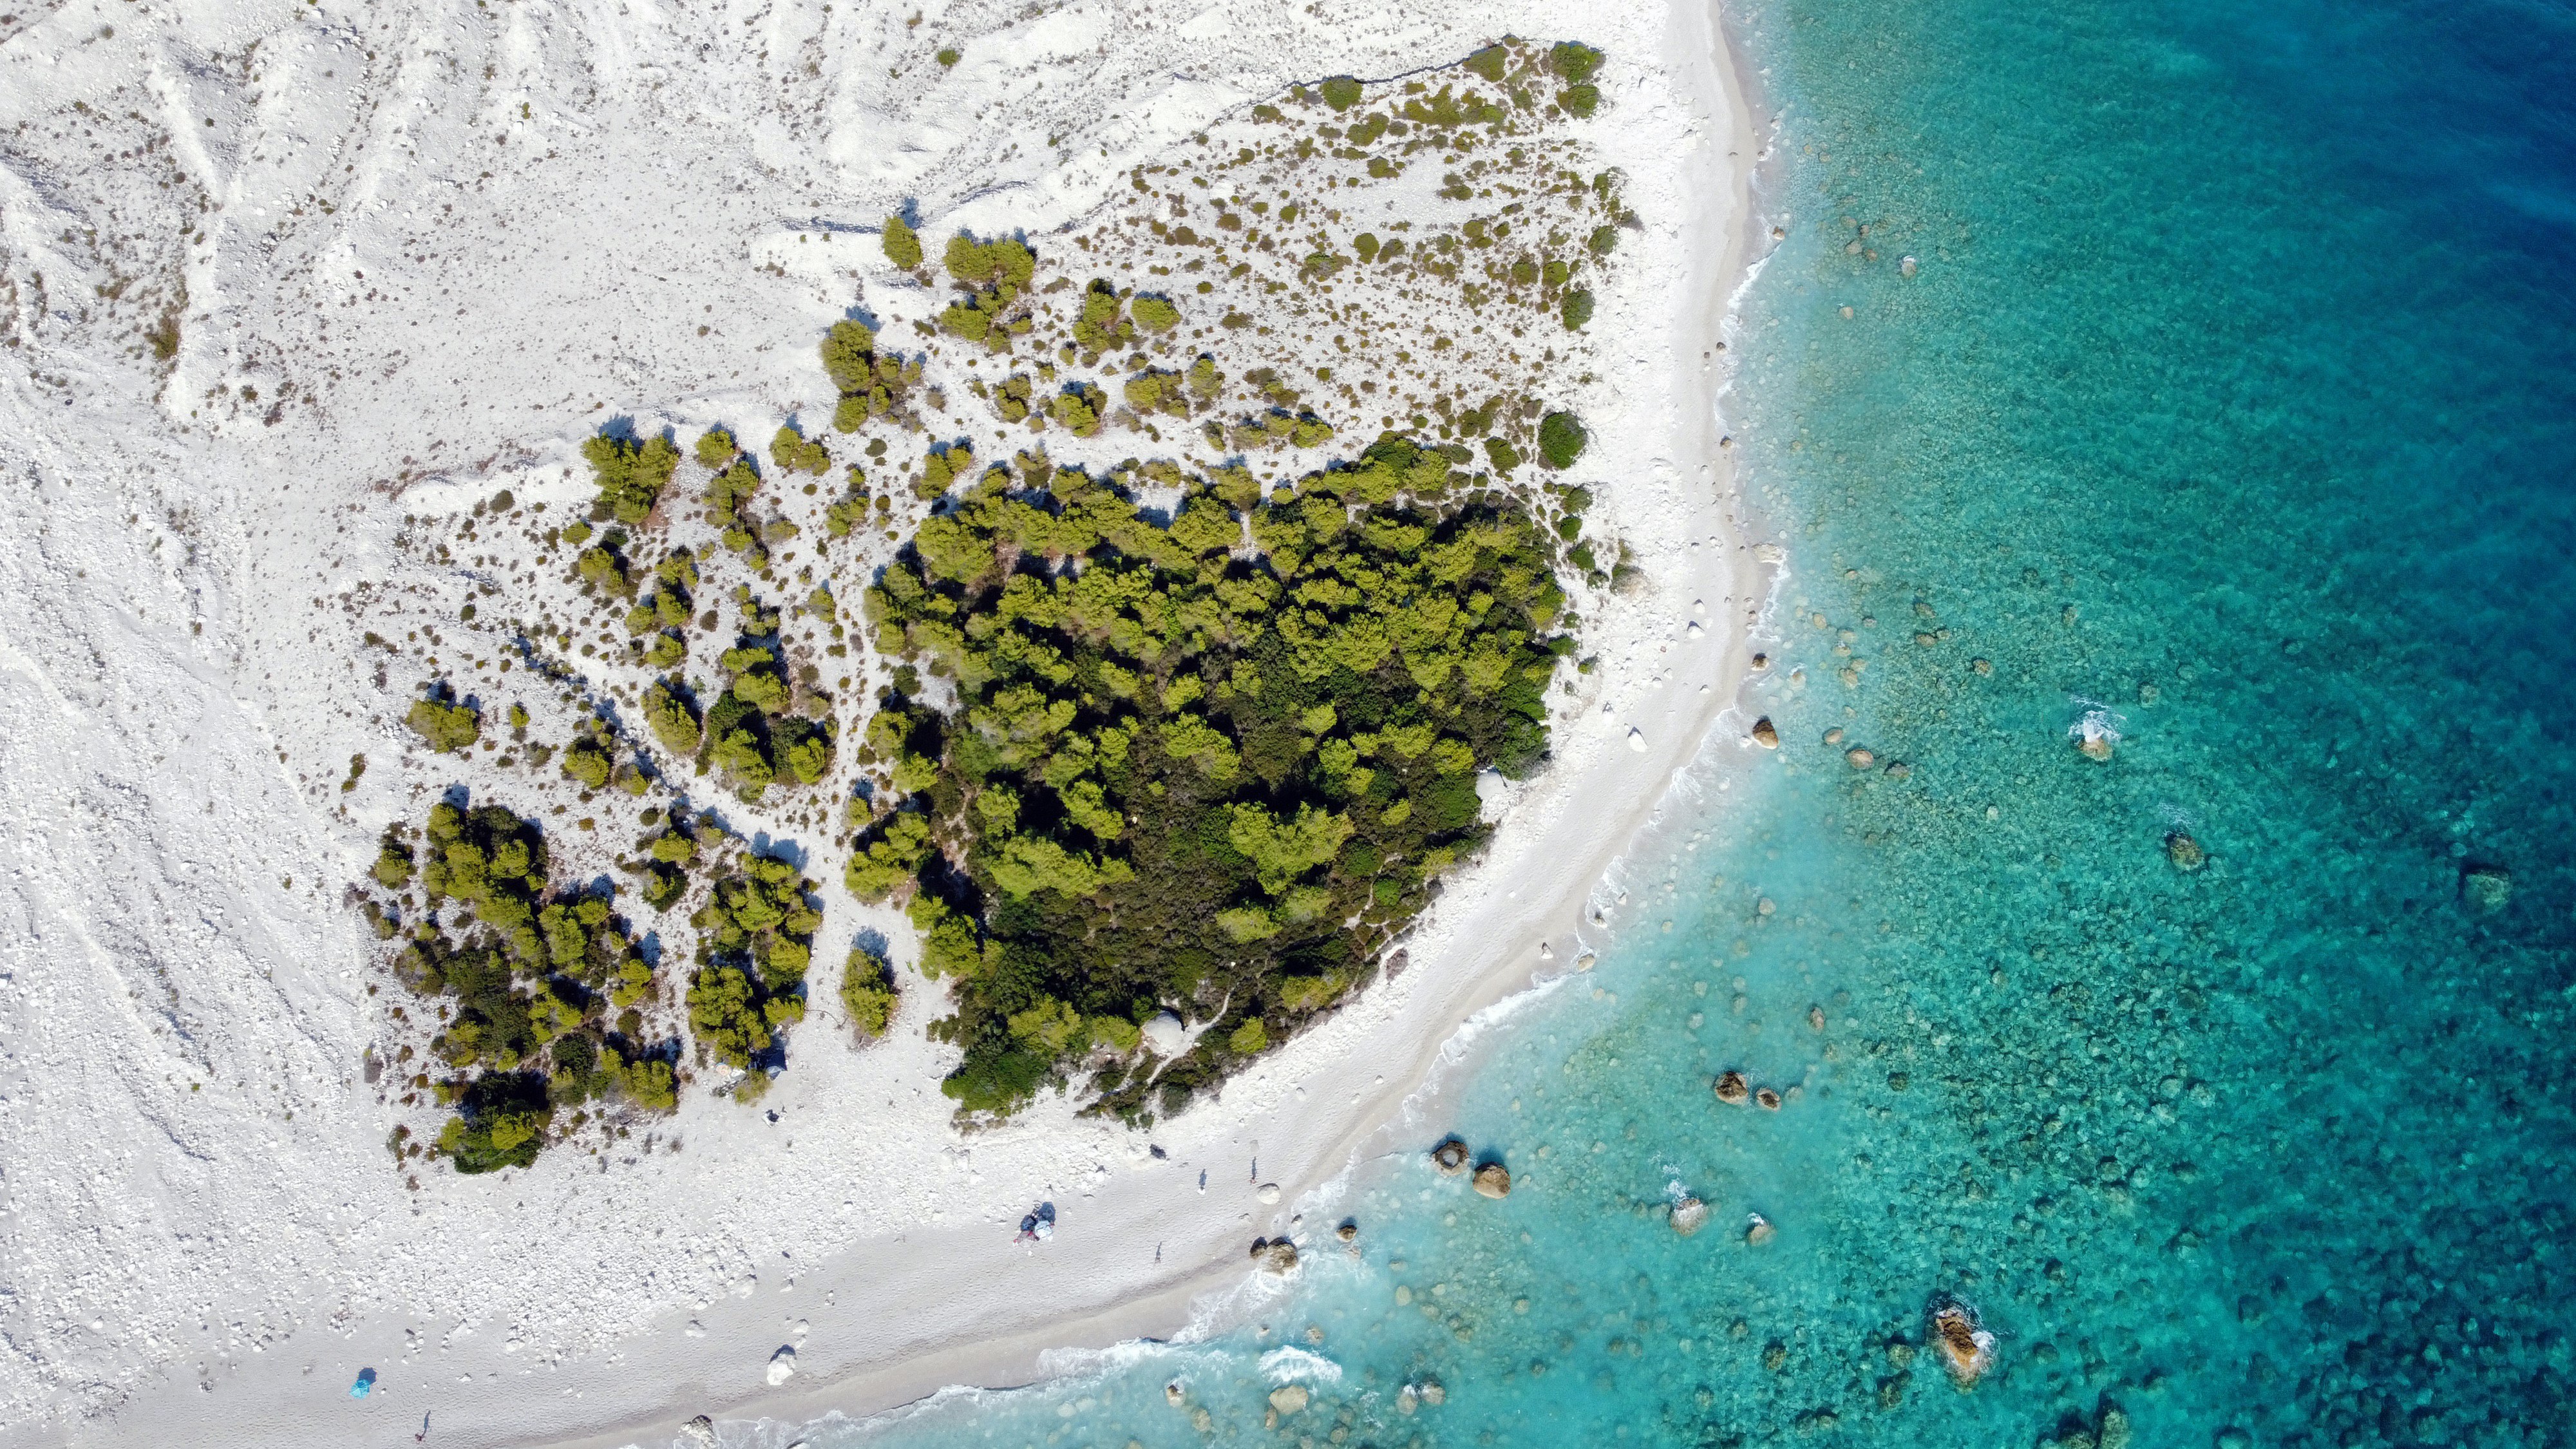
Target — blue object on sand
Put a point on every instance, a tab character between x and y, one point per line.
366	1383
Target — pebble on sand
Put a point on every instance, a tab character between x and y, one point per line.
2184	851
1450	1157
1636	739
1268	1192
1731	1090
1765	735
782	1365
1494	1180
1758	1230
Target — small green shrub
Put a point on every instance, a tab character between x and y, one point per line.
1576	309
1574	61
1561	439
1489	63
1580	101
1341	92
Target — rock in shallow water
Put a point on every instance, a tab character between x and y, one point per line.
2184	851
2486	888
1731	1090
1766	734
1758	1230
1450	1157
1494	1180
1288	1399
1689	1216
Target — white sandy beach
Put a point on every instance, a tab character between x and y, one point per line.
204	1239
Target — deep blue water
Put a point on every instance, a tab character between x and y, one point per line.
2234	398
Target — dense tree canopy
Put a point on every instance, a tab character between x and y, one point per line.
1206	763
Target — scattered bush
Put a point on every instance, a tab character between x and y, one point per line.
755	940
1341	93
1489	63
1580	101
1576	309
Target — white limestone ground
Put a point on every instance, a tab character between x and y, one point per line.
275	276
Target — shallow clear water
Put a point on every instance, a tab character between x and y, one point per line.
2233	396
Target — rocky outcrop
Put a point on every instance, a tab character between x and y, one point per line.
1276	1255
2184	852
1689	1216
1450	1157
1963	1345
2485	889
1766	734
1731	1090
1494	1180
1288	1399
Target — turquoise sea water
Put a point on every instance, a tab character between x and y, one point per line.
2234	396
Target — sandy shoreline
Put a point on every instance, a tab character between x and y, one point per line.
867	1239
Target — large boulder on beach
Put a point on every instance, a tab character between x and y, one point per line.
782	1365
1766	734
1166	1035
1494	1180
1276	1255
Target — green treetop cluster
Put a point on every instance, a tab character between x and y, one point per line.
631	474
996	275
544	987
1209	764
755	941
750	732
872	383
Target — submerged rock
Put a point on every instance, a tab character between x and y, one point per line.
2184	851
1406	1400
1731	1090
1288	1399
1758	1230
1907	266
1433	1394
1766	734
1767	1099
1450	1157
1494	1180
1965	1348
1689	1216
2486	888
1172	1394
1859	757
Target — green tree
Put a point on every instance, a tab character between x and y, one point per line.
1341	92
450	728
1573	61
867	991
1576	309
630	474
902	245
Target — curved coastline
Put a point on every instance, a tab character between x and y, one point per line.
1481	949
